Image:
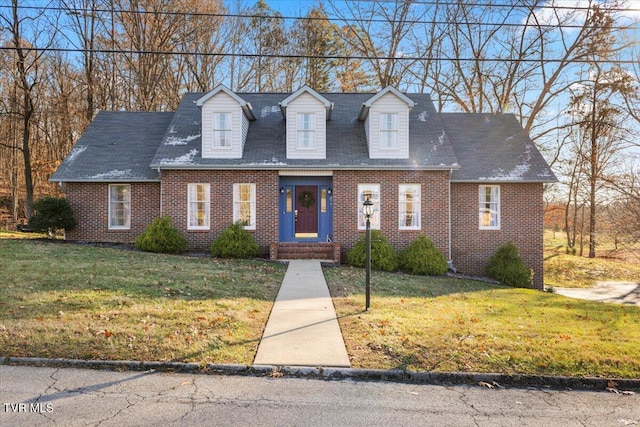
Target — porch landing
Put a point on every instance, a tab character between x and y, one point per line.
302	250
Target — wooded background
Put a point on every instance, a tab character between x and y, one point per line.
568	70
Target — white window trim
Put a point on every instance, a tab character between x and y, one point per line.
417	201
216	129
300	130
375	220
495	191
127	225
395	130
207	204
252	201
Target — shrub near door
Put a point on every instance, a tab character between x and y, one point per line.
235	242
422	257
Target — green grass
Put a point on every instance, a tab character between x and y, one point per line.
445	324
572	271
68	300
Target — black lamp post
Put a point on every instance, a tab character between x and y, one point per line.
367	211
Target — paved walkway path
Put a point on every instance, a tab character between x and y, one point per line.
618	292
302	329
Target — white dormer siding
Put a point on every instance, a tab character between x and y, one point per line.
306	119
388	106
225	124
306	113
386	124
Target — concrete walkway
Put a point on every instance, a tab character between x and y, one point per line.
618	292
302	329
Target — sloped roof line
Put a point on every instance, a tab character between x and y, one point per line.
246	106
328	105
364	112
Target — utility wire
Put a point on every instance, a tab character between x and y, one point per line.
92	12
301	56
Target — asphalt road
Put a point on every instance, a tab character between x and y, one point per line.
32	396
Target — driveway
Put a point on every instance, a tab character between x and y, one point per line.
618	292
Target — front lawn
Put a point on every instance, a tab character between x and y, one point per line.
68	300
443	324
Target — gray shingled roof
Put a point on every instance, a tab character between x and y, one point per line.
131	146
494	148
117	146
265	146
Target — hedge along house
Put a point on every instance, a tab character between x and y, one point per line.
296	168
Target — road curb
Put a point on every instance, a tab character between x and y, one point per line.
490	380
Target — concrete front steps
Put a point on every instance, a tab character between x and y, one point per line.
299	250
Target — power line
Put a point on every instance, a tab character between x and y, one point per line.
332	57
90	12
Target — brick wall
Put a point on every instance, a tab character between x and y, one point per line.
174	203
90	204
435	220
521	215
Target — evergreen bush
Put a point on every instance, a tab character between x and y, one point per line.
161	237
383	256
52	214
422	257
235	242
507	267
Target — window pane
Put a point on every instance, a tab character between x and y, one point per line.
306	130
244	196
222	129
120	206
289	197
489	209
198	205
409	206
323	200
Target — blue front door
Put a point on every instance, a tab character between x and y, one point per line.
306	209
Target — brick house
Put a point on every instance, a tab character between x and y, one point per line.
296	168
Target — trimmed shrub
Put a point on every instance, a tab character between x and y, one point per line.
52	214
422	257
235	242
507	267
161	237
383	256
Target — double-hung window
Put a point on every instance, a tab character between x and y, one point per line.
198	206
244	205
489	207
388	131
222	130
371	192
119	206
409	206
306	134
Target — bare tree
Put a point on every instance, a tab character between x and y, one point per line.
601	122
379	31
28	74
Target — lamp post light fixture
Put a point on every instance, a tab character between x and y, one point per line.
367	211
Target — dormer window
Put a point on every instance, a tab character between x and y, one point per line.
306	113
225	123
386	124
222	130
388	131
306	131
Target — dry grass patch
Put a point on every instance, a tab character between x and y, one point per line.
444	324
66	300
572	271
